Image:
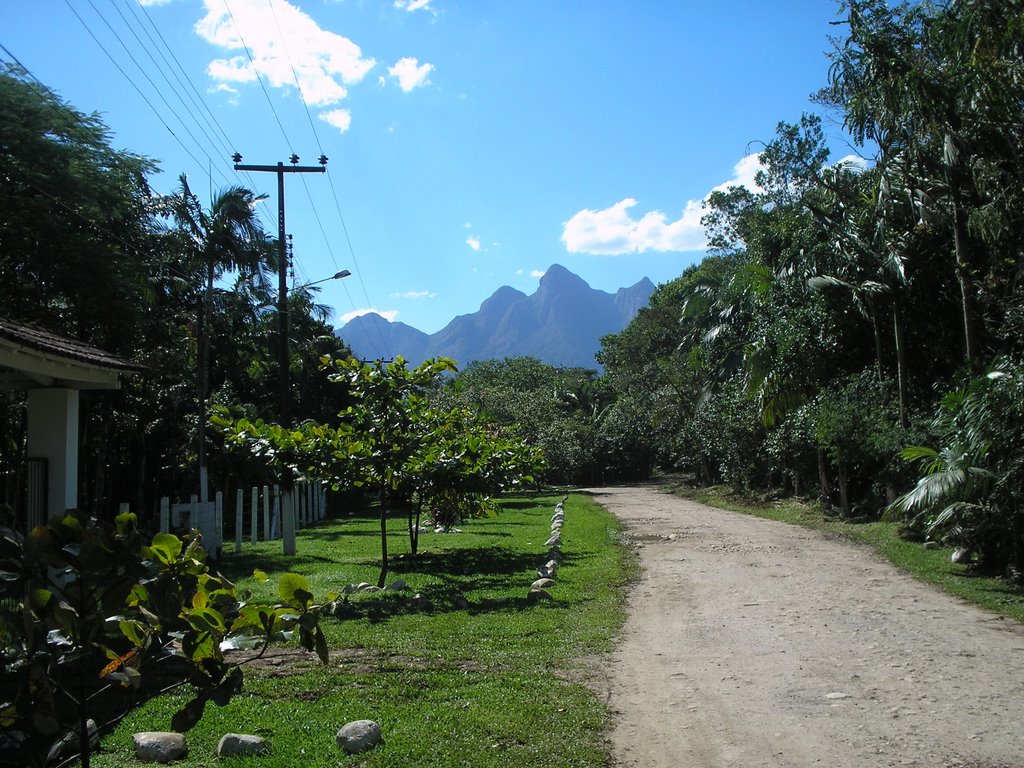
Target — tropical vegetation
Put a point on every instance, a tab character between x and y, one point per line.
853	337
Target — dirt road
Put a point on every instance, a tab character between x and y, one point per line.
752	643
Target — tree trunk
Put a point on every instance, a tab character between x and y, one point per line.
382	579
876	327
963	260
414	527
826	504
203	332
140	480
901	361
844	494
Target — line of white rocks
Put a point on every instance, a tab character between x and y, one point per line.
165	747
546	572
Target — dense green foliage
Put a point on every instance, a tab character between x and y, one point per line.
844	300
559	410
853	335
87	250
394	440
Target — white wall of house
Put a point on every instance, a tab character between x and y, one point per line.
53	435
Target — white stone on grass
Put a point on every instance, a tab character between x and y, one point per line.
359	736
241	745
542	584
397	584
961	556
536	593
159	747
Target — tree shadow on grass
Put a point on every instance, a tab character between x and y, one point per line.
433	600
242	565
457	564
531	504
455	573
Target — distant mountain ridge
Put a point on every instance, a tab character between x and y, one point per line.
560	324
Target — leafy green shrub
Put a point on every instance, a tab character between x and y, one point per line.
971	490
96	606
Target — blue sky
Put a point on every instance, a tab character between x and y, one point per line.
472	143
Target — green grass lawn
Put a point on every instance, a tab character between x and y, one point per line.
930	565
469	675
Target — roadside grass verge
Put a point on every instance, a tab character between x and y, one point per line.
469	674
929	565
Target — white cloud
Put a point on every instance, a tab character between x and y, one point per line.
223	88
414	295
538	273
151	3
414	5
520	271
279	37
473	242
614	231
854	163
388	314
410	73
339	118
743	174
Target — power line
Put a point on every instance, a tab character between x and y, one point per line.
256	72
159	69
226	148
198	100
134	84
334	194
145	74
209	165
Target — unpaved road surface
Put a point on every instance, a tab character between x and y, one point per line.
753	643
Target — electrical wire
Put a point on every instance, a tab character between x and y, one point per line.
141	93
181	89
334	194
256	72
159	69
228	146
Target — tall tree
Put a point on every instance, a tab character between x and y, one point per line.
228	237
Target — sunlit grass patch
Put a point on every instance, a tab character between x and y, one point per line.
469	673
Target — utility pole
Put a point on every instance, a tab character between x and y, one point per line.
282	271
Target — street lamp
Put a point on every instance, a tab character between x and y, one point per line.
335	276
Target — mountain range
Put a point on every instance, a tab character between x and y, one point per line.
561	323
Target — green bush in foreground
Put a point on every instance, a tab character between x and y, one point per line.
100	612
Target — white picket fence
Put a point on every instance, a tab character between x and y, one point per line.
281	514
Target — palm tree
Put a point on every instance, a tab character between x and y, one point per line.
872	255
937	88
226	238
971	488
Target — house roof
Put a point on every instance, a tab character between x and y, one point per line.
32	357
